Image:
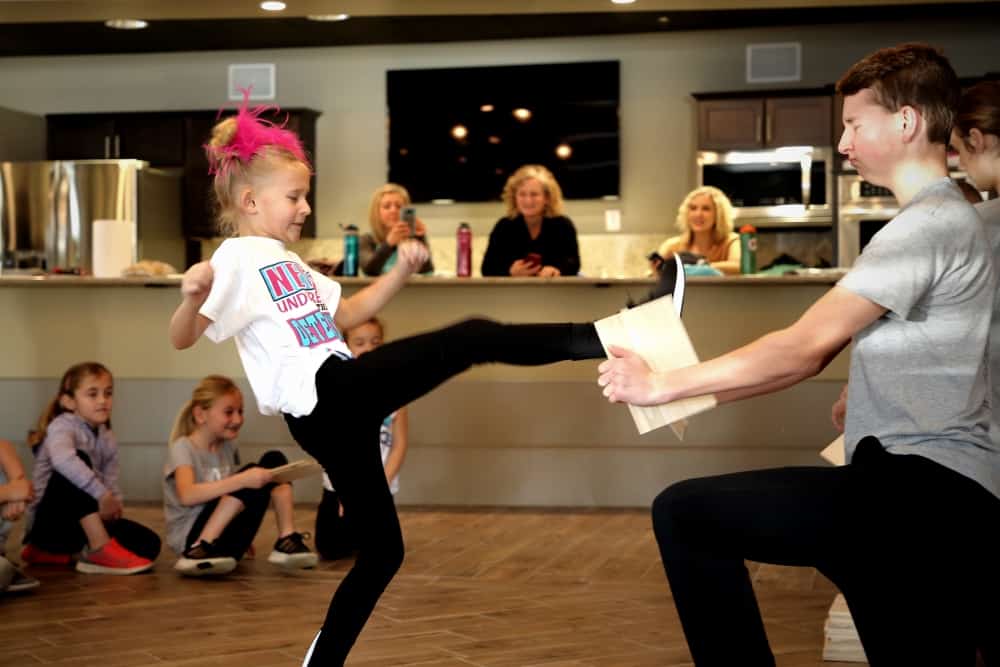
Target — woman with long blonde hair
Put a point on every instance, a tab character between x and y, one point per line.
377	249
705	220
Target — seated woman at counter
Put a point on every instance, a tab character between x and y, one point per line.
534	238
705	219
377	250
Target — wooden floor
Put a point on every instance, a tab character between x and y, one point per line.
485	587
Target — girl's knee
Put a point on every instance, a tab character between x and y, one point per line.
273	459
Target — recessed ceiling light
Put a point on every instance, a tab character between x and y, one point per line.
126	24
622	2
663	19
273	6
328	17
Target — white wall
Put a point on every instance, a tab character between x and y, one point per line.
22	136
348	85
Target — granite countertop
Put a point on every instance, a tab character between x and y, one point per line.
816	277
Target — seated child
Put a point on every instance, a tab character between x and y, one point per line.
214	508
335	533
78	503
15	493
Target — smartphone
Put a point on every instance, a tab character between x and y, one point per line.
409	215
533	258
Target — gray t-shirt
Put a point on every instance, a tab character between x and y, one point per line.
919	378
990	213
208	467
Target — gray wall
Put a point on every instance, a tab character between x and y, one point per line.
22	136
348	86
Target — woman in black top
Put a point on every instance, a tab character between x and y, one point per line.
534	238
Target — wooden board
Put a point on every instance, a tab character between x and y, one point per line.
834	452
655	332
296	470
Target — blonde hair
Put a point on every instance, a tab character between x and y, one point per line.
70	382
210	389
723	212
374	218
554	203
232	172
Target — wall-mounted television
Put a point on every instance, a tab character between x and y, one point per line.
457	134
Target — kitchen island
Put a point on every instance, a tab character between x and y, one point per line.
495	435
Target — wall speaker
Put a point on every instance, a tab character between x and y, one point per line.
770	63
258	78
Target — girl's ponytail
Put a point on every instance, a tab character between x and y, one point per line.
184	424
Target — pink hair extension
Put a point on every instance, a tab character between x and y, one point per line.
251	136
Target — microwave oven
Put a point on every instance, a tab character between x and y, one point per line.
790	186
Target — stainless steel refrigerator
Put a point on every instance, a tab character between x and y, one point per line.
47	210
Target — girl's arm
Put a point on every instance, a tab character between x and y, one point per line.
17	488
400	433
364	304
191	492
772	362
187	324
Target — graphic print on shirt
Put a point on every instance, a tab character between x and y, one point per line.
385	433
291	288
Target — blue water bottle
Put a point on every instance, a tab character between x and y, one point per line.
350	250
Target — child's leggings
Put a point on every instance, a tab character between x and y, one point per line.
238	534
56	527
342	434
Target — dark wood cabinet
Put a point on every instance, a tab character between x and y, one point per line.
170	139
743	123
798	121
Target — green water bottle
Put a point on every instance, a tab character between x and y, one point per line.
748	249
350	250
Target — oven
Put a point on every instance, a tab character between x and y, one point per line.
862	210
790	186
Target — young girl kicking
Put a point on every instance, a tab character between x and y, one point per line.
213	510
287	321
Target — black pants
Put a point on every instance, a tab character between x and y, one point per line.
56	527
910	543
342	434
336	536
238	534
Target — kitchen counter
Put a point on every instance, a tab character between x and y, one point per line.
496	435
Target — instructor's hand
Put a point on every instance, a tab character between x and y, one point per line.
626	378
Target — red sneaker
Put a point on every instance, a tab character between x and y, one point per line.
32	555
112	558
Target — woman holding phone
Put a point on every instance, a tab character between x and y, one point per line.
534	238
377	249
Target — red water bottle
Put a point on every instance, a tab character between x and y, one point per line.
463	254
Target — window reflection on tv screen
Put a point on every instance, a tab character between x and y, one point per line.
457	134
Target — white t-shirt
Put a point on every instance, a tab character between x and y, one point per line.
276	307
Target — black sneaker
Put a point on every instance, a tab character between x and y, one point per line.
670	280
22	582
204	559
291	552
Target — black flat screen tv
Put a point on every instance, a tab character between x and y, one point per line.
457	134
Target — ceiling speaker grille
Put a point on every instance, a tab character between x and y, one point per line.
770	63
258	78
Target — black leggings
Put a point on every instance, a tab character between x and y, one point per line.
238	534
342	433
56	527
910	544
336	536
